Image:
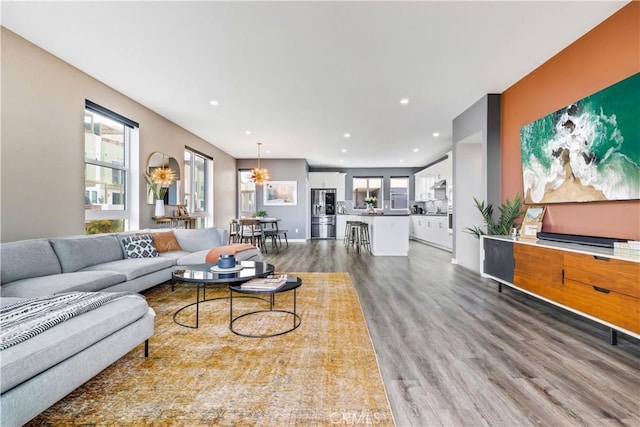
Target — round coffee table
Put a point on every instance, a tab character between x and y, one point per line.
202	275
292	285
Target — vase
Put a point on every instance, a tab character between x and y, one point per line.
370	207
159	208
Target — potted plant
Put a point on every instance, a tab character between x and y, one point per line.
371	203
260	214
510	211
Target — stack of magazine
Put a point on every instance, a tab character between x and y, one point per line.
269	283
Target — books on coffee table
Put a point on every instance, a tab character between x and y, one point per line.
269	283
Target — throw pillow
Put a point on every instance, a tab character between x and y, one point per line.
139	247
165	241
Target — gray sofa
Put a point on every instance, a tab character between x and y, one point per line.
40	371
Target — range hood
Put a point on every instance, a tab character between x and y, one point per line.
440	185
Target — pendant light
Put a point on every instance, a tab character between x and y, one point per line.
259	176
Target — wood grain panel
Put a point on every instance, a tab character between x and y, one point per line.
621	310
539	270
613	274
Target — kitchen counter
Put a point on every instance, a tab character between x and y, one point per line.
383	214
389	233
375	214
431	214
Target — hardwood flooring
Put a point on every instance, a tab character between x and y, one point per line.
454	352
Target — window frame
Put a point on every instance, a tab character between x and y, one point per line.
130	133
380	198
205	215
251	190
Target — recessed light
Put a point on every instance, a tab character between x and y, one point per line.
404	101
341	161
214	103
401	161
436	134
415	150
268	151
248	132
344	150
347	135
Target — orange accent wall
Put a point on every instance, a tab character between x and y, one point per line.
605	55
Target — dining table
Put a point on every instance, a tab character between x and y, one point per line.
268	228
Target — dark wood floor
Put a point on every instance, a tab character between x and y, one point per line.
455	352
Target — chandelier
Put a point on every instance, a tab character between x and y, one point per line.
259	176
163	176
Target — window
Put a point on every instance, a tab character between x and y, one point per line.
399	192
367	187
107	141
196	196
247	194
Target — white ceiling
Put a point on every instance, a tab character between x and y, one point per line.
299	75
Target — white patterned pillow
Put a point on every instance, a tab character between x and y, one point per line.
140	247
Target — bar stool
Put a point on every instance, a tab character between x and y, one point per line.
352	235
363	237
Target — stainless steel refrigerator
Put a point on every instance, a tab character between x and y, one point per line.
323	213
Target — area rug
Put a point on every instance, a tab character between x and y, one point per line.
323	373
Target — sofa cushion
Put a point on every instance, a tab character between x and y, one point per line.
194	240
66	282
27	258
173	255
165	241
29	358
76	253
133	268
139	247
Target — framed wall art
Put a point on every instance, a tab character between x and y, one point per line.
280	193
587	151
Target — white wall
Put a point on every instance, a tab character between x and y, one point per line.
42	174
466	188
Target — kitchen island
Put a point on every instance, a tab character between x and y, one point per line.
389	232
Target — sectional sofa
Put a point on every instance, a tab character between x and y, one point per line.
36	373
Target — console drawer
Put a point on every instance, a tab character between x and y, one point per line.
612	307
539	270
616	275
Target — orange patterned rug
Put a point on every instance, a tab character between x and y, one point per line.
323	373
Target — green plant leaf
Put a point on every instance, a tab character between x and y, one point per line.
510	211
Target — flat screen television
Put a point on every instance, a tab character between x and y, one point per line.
588	151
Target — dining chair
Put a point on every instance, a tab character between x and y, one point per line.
251	232
275	233
234	231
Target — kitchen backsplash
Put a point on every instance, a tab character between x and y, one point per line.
432	206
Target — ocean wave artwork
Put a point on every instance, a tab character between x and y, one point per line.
587	151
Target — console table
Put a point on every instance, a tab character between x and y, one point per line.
175	221
590	281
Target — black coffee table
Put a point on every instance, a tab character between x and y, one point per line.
289	286
202	275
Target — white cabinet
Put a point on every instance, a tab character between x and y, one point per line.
323	180
431	229
421	192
